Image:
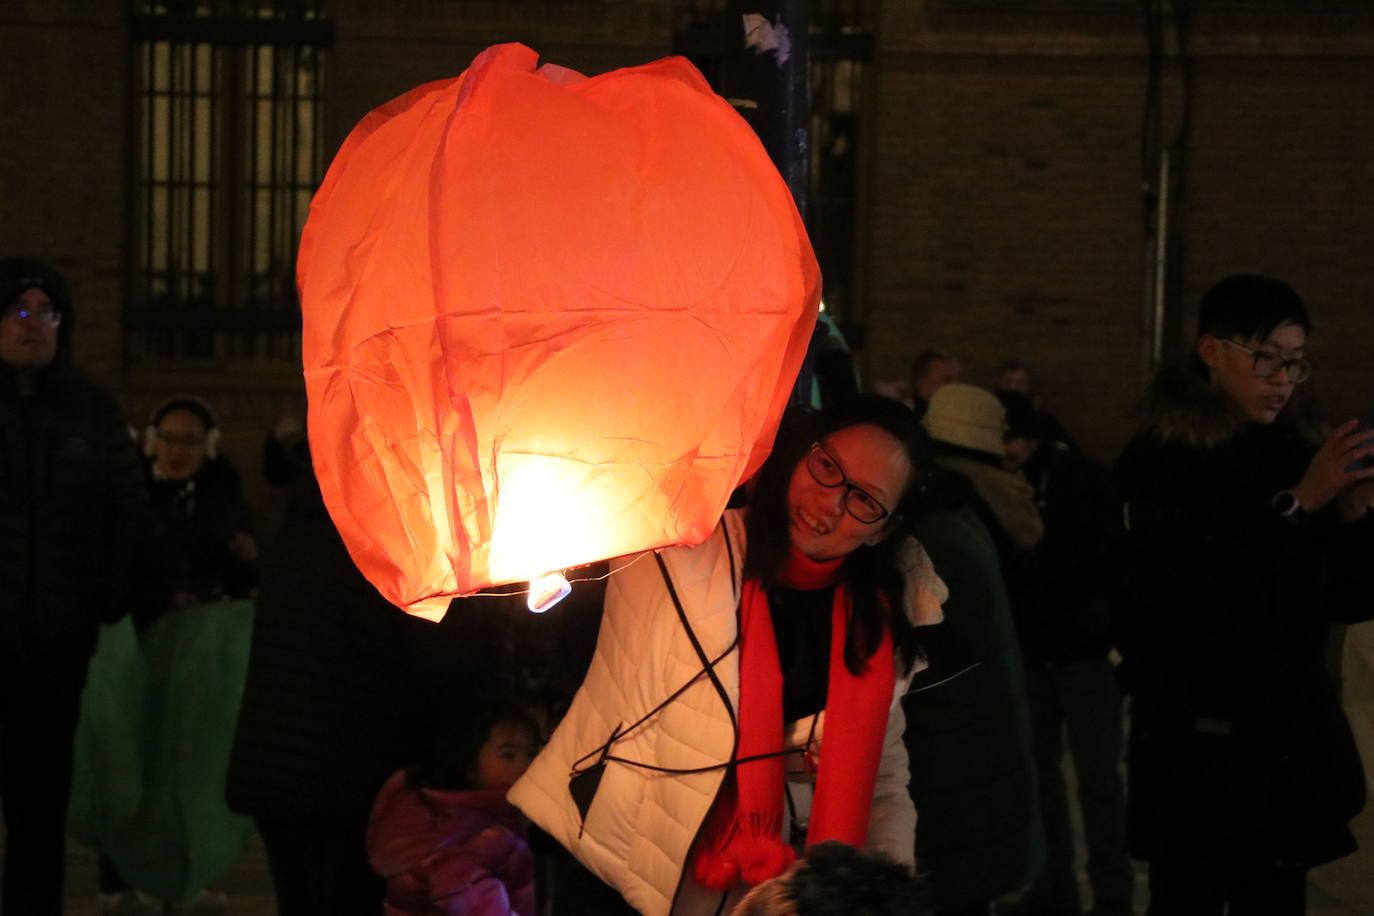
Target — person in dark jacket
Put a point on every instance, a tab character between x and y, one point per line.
73	514
342	690
931	369
207	523
330	705
205	553
1062	618
1244	540
1014	377
978	833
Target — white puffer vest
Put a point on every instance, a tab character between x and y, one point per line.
649	704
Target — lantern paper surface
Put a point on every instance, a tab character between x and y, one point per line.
548	320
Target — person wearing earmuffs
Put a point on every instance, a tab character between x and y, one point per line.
205	553
210	552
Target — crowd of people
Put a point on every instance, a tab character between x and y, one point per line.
857	695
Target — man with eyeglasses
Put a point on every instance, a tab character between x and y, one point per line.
72	503
1244	541
28	332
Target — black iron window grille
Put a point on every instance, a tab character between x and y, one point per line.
226	154
840	50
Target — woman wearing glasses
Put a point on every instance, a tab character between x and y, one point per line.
1244	541
741	702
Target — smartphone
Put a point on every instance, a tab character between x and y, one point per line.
1366	423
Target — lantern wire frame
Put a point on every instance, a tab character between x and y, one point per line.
525	591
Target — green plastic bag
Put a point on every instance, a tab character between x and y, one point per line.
107	763
183	836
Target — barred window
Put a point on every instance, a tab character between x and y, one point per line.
227	152
840	51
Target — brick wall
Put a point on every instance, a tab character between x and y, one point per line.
1283	172
1006	214
62	116
1008	225
1001	182
382	50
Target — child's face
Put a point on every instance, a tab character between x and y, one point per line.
504	758
1232	364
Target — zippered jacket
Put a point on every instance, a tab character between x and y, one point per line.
1239	751
452	852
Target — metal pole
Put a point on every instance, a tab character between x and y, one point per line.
765	75
1161	262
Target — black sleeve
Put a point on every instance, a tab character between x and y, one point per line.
132	530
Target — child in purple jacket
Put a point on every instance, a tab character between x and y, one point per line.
443	835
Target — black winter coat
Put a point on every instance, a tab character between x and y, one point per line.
343	688
200	517
331	706
75	526
1239	751
1059	598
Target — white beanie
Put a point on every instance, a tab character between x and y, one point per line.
968	416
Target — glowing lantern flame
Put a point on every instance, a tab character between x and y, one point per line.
546	591
547	320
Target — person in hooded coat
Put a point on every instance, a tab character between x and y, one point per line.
1063	623
73	520
973	774
1244	541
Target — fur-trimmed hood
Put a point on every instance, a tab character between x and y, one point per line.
1181	407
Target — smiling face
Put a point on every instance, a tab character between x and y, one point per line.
1232	370
504	758
872	459
31	342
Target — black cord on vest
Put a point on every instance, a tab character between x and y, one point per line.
696	647
734	761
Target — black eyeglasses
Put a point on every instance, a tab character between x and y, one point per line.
190	440
1267	363
826	471
51	317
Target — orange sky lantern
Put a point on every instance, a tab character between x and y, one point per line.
548	320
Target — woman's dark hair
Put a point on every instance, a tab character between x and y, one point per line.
835	879
1249	306
459	741
870	573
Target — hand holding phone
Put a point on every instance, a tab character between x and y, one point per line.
1366	425
1337	467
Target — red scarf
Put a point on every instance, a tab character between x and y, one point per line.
743	837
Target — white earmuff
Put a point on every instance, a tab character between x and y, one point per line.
212	433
